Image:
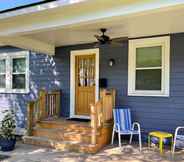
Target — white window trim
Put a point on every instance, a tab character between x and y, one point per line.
8	57
4	58
149	42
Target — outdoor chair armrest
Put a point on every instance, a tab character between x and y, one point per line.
136	124
177	129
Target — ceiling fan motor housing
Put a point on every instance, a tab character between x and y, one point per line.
103	30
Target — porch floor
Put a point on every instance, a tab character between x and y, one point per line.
68	121
30	153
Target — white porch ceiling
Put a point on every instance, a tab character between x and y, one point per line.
78	22
145	24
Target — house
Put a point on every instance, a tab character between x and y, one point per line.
50	45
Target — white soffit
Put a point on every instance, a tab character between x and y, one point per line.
90	11
152	23
29	44
77	24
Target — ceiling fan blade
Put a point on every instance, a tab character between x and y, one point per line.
120	39
96	36
113	43
97	45
99	38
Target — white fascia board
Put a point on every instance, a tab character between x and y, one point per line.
38	8
29	44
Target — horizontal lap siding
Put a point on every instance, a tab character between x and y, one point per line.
152	112
160	113
64	68
44	73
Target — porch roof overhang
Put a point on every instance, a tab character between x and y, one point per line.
75	23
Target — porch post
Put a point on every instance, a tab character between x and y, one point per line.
42	104
30	118
93	124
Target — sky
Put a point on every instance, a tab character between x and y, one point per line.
7	4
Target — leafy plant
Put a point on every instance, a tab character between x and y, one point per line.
8	125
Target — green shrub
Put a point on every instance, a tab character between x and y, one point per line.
8	125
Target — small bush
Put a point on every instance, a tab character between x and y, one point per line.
8	125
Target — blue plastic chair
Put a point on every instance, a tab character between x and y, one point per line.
123	126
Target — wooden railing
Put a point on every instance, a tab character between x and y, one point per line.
46	106
101	112
53	104
107	98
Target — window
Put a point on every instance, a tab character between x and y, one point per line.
14	72
148	71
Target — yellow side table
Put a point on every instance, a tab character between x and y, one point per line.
161	136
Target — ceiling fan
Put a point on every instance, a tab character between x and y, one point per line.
105	39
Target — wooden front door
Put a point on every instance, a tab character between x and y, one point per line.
85	83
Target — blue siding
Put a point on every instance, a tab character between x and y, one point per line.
54	73
152	112
44	73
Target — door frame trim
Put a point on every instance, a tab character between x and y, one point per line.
73	54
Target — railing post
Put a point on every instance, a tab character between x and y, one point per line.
30	118
58	103
93	124
108	102
114	97
101	112
42	104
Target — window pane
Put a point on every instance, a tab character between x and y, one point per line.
149	56
2	66
148	79
19	65
2	81
19	81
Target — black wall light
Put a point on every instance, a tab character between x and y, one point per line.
111	62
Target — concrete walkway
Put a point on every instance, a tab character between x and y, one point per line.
29	153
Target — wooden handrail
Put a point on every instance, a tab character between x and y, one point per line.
46	106
101	112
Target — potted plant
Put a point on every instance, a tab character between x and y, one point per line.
7	131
